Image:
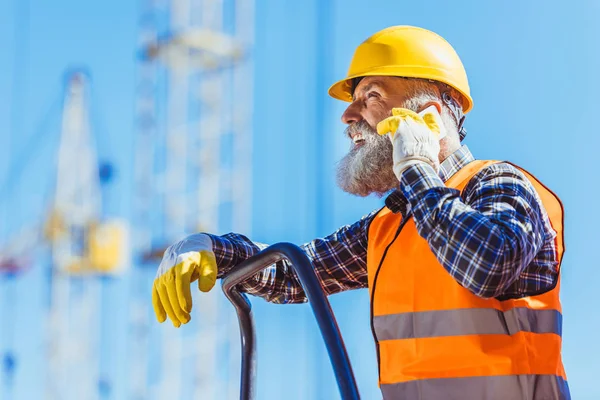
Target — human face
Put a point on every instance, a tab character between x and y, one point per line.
367	168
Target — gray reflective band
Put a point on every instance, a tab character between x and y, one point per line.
506	387
466	321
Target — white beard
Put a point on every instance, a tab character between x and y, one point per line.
367	169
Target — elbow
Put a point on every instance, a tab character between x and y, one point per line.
496	263
491	277
492	280
499	264
489	287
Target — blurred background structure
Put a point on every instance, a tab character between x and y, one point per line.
82	248
192	166
126	125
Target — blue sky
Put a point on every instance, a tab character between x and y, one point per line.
533	72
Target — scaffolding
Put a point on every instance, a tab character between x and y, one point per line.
193	173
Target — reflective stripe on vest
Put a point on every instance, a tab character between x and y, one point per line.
466	321
510	387
437	340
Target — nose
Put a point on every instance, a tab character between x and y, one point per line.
352	114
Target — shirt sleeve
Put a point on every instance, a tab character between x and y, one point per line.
485	240
340	261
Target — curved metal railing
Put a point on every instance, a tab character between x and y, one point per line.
320	306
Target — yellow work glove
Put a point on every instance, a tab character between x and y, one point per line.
415	138
183	263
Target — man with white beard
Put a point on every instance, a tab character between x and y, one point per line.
462	263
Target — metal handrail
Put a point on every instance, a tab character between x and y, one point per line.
320	306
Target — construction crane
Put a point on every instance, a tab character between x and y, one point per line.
192	174
84	247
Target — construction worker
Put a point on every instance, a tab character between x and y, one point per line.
462	263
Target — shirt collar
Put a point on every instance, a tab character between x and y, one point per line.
396	201
455	162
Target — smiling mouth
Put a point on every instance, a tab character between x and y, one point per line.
358	140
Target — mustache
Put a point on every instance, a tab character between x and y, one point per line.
359	127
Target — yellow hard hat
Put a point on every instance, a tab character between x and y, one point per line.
409	52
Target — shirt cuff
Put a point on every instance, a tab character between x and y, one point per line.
417	179
224	251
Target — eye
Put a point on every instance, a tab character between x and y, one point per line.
372	95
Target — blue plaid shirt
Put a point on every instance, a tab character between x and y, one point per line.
498	207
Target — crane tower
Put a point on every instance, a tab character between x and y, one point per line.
84	247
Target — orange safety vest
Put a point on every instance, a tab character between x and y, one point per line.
437	340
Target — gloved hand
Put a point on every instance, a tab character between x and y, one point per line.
184	262
415	138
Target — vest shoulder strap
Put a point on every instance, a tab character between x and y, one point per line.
460	179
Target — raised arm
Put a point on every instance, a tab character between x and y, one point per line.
486	238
